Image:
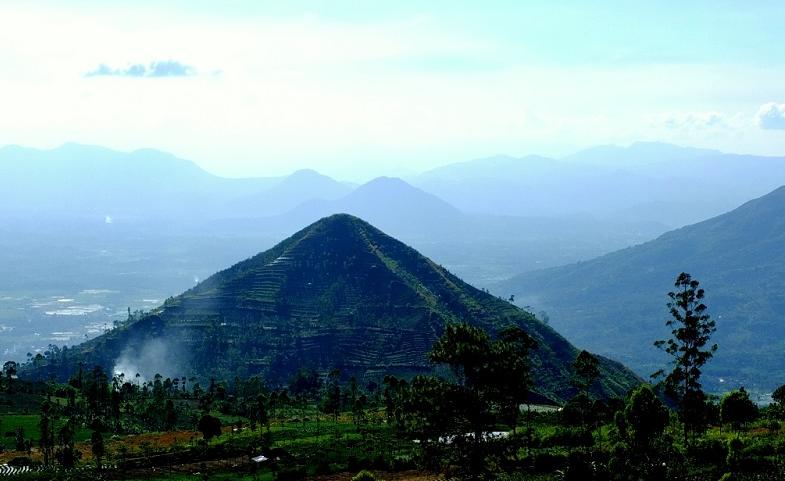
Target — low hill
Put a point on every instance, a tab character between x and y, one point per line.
339	293
616	303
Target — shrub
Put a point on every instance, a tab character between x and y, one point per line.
290	474
547	462
20	461
364	476
709	451
734	453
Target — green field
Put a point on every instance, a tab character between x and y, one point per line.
29	422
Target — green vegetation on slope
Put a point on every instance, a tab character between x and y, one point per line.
614	304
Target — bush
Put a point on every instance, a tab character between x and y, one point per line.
546	462
567	437
709	451
579	468
734	453
290	474
364	476
20	461
402	463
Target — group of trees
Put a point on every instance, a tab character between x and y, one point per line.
490	380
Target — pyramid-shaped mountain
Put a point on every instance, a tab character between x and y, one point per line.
337	294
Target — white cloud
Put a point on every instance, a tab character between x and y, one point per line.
697	121
166	68
771	116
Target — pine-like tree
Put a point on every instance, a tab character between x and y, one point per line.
689	347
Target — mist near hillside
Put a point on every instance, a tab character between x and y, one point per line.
141	362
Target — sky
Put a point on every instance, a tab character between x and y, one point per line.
360	89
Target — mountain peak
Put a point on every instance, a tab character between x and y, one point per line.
337	294
306	173
387	183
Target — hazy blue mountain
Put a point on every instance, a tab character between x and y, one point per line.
337	294
616	303
387	202
93	183
654	182
87	182
300	187
640	154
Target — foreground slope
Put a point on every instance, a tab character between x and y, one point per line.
616	303
339	293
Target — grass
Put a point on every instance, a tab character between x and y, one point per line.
29	422
19	402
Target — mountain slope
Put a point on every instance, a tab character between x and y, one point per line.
616	303
339	293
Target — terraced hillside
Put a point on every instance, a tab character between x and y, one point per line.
339	293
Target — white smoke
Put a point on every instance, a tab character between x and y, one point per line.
155	356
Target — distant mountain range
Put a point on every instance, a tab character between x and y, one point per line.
87	182
100	199
645	182
615	304
651	182
337	294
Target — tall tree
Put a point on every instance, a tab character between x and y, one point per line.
644	453
47	432
737	409
66	453
514	371
304	386
586	370
10	369
209	426
490	373
261	412
331	400
98	447
691	332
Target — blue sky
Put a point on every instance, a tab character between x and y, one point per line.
357	89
